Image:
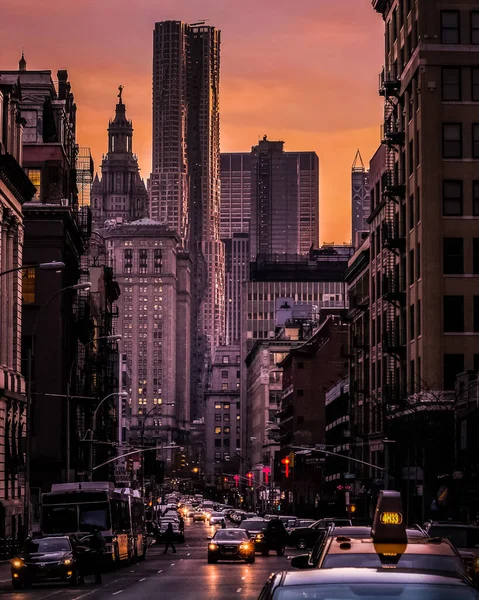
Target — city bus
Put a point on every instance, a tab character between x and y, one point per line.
78	508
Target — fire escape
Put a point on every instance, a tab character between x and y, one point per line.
393	241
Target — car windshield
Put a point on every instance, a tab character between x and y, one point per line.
231	534
461	537
428	562
369	591
253	525
48	545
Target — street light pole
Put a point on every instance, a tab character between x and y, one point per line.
31	354
68	408
48	266
93	427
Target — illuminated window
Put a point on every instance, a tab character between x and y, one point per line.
35	176
218	405
28	285
217	429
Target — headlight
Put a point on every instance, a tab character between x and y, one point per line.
259	537
245	546
67	561
476	563
212	546
17	563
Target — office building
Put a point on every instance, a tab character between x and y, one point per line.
235	211
236	272
284	200
361	200
185	178
120	193
153	272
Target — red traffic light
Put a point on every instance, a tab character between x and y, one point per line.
285	461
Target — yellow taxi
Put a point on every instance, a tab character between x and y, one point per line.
387	547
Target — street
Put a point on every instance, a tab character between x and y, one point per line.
184	575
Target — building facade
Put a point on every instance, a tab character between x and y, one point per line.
235	175
222	416
153	274
236	272
185	179
120	192
361	200
15	190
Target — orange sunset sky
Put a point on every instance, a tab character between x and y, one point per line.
304	71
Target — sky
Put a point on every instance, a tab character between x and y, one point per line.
303	71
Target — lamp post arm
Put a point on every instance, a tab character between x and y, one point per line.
362	462
138	450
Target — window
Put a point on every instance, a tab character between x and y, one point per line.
218	454
476	314
475	84
412	373
453	256
475	198
418	205
226	405
226	442
224	374
475	140
453	314
224	386
418	261
28	285
217	430
450	27
453	365
474	27
411	267
452	198
218	405
452	140
451	83
226	429
412	325
475	256
226	360
217	417
35	176
411	211
218	443
419	317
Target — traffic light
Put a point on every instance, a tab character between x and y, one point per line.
129	463
285	461
351	508
183	461
250	478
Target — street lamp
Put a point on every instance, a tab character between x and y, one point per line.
93	427
31	353
48	266
113	338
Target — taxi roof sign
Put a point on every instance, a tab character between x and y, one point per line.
388	525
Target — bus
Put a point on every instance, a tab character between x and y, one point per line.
78	508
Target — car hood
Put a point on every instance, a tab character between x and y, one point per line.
38	557
229	542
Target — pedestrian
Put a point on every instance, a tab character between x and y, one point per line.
169	536
97	547
223	524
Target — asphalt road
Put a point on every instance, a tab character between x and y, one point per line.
181	576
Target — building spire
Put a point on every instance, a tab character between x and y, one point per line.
22	63
358	164
120	92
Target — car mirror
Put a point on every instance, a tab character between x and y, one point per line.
301	562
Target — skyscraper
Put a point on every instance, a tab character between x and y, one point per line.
284	200
235	213
361	199
120	192
185	183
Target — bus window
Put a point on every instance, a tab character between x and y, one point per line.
60	519
95	514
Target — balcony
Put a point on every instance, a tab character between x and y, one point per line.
361	342
393	290
391	135
392	237
391	394
394	187
389	82
393	344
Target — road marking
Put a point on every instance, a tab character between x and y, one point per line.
143	579
49	595
160	571
118	592
238	590
84	595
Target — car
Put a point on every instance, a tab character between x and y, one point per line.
178	535
216	518
48	559
463	536
231	544
294	523
306	537
387	546
367	584
199	516
267	534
